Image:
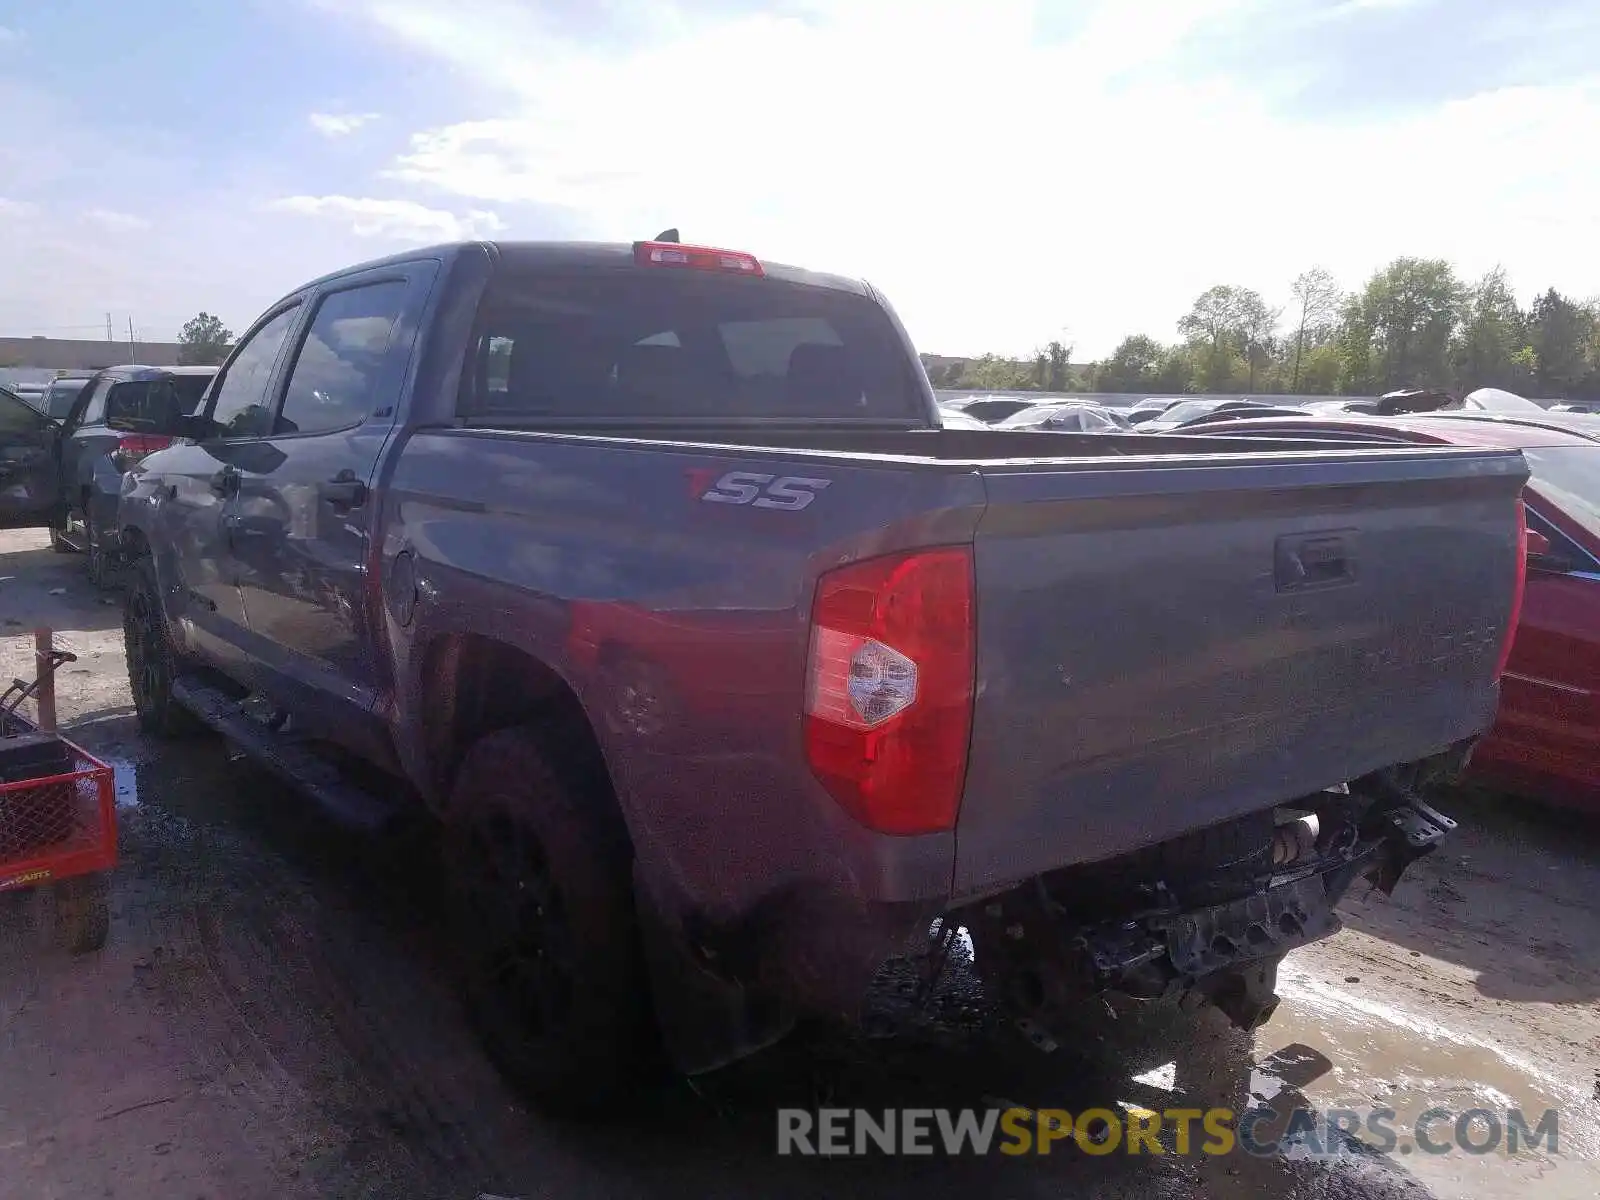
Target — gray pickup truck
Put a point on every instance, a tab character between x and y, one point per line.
727	672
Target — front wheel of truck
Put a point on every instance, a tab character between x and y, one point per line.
542	906
153	661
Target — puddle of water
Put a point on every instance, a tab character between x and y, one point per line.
1384	1057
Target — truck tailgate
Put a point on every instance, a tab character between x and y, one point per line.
1164	645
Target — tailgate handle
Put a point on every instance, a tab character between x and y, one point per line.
1314	560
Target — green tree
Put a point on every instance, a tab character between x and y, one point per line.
204	341
1316	301
991	373
1134	366
1059	375
1488	350
1229	326
1562	336
1319	373
1178	372
1403	323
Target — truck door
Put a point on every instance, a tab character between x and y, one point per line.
27	462
196	560
303	523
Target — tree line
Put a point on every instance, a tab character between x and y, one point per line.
1415	323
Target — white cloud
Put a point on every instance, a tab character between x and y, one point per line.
337	125
395	220
117	222
16	209
1000	187
9	35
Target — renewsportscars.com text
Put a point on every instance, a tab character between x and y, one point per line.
846	1132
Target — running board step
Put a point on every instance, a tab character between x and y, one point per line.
286	758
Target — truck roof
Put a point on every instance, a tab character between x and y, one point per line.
578	256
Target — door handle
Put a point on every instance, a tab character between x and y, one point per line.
226	482
1306	561
344	490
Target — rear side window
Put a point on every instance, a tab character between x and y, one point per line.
334	381
678	344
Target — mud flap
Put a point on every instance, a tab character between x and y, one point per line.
706	1021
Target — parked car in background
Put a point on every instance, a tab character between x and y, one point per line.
1150	408
27	462
60	393
1499	400
1546	738
954	418
1079	417
989	409
1185	411
1246	412
122	414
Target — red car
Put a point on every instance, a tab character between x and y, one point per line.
1546	741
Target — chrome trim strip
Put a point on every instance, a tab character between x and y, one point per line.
1547	683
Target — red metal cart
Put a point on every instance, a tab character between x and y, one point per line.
58	819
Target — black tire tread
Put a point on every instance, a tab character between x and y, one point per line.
597	1059
160	716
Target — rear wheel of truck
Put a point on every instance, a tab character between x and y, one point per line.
153	661
94	549
541	902
58	533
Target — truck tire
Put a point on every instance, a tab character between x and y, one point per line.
541	900
153	661
94	550
58	533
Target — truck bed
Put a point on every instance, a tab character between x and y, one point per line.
1148	660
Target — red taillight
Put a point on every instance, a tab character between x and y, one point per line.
131	447
1517	588
695	258
888	711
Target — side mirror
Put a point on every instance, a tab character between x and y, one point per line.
1542	556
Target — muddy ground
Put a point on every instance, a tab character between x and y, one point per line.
273	1018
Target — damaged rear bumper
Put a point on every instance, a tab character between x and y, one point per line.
1217	952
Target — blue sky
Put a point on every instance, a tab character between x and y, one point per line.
1006	171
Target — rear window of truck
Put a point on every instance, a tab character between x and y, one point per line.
659	345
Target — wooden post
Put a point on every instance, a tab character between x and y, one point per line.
45	699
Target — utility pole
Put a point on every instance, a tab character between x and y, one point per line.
109	336
133	354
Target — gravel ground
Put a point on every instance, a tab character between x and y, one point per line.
272	1018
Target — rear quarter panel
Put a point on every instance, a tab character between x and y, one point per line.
681	625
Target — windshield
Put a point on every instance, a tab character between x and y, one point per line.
1569	477
682	344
